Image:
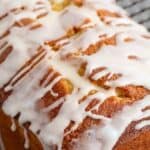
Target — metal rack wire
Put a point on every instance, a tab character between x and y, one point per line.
139	10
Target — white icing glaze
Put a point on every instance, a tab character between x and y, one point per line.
109	133
119	62
54	25
88	142
13	125
143	124
77	114
26	140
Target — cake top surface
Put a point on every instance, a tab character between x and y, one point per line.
89	49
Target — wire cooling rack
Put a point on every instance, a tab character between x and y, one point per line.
139	10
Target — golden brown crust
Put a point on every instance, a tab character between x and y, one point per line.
15	139
134	139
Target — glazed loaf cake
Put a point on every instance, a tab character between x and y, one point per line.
74	75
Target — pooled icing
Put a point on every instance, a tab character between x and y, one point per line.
28	43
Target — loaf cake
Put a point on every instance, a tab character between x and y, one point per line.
74	75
